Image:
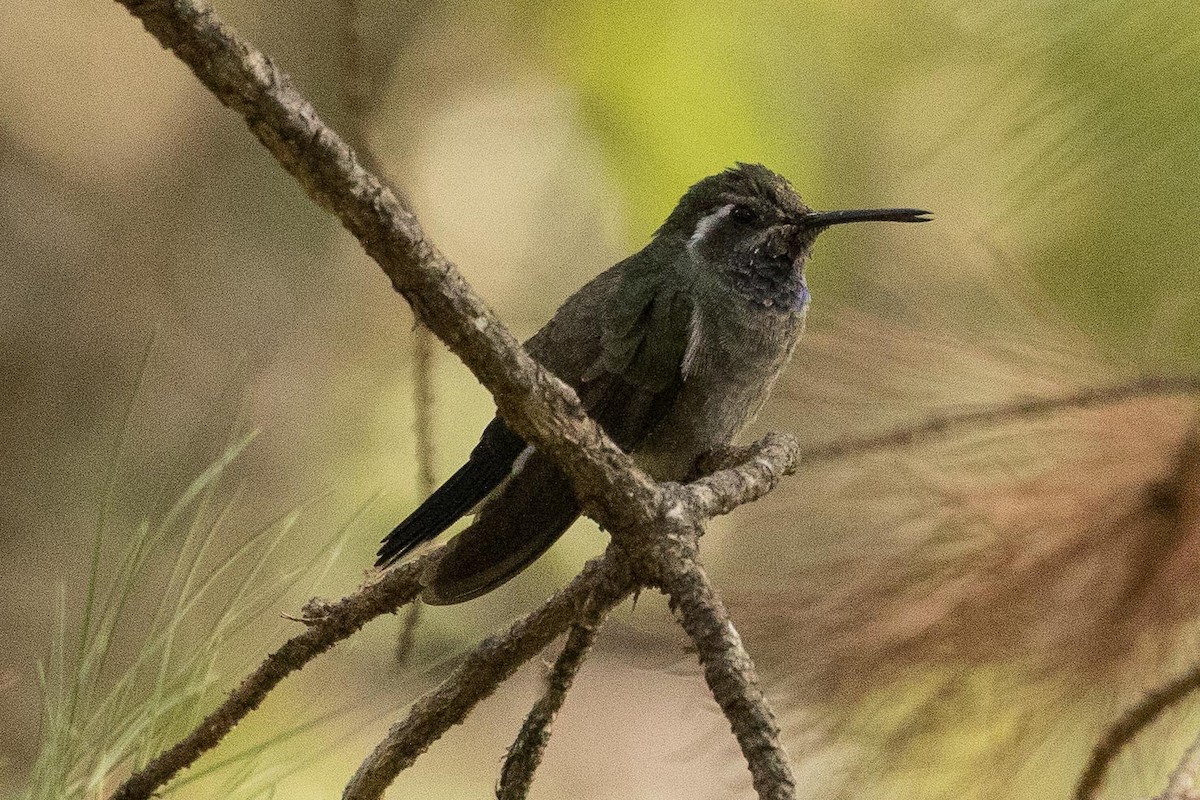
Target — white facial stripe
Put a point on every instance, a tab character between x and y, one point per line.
707	224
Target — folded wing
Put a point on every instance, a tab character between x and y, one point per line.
619	342
489	464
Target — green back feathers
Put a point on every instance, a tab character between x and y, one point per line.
646	323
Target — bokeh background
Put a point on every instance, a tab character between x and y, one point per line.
956	619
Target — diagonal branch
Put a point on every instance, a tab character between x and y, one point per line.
940	425
326	627
540	407
603	584
1131	723
731	676
525	755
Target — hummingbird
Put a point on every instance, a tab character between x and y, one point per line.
673	351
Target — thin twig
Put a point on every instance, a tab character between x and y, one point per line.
914	433
424	353
741	475
326	627
407	639
1131	723
423	402
516	776
604	580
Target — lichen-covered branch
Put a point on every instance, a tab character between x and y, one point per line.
525	755
742	475
326	626
730	675
603	583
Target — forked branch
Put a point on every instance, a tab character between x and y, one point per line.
603	583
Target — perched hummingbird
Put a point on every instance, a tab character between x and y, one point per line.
673	351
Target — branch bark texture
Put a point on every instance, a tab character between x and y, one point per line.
731	676
603	584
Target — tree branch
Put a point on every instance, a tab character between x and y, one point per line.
731	676
743	474
327	625
525	755
1131	723
540	407
603	584
914	433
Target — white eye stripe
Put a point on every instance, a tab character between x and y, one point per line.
706	224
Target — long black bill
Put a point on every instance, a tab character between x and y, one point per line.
823	219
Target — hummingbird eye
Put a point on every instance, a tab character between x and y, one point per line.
743	214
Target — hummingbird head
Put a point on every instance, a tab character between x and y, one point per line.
748	226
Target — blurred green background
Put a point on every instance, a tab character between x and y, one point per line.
1056	142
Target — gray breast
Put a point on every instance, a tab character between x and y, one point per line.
735	354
